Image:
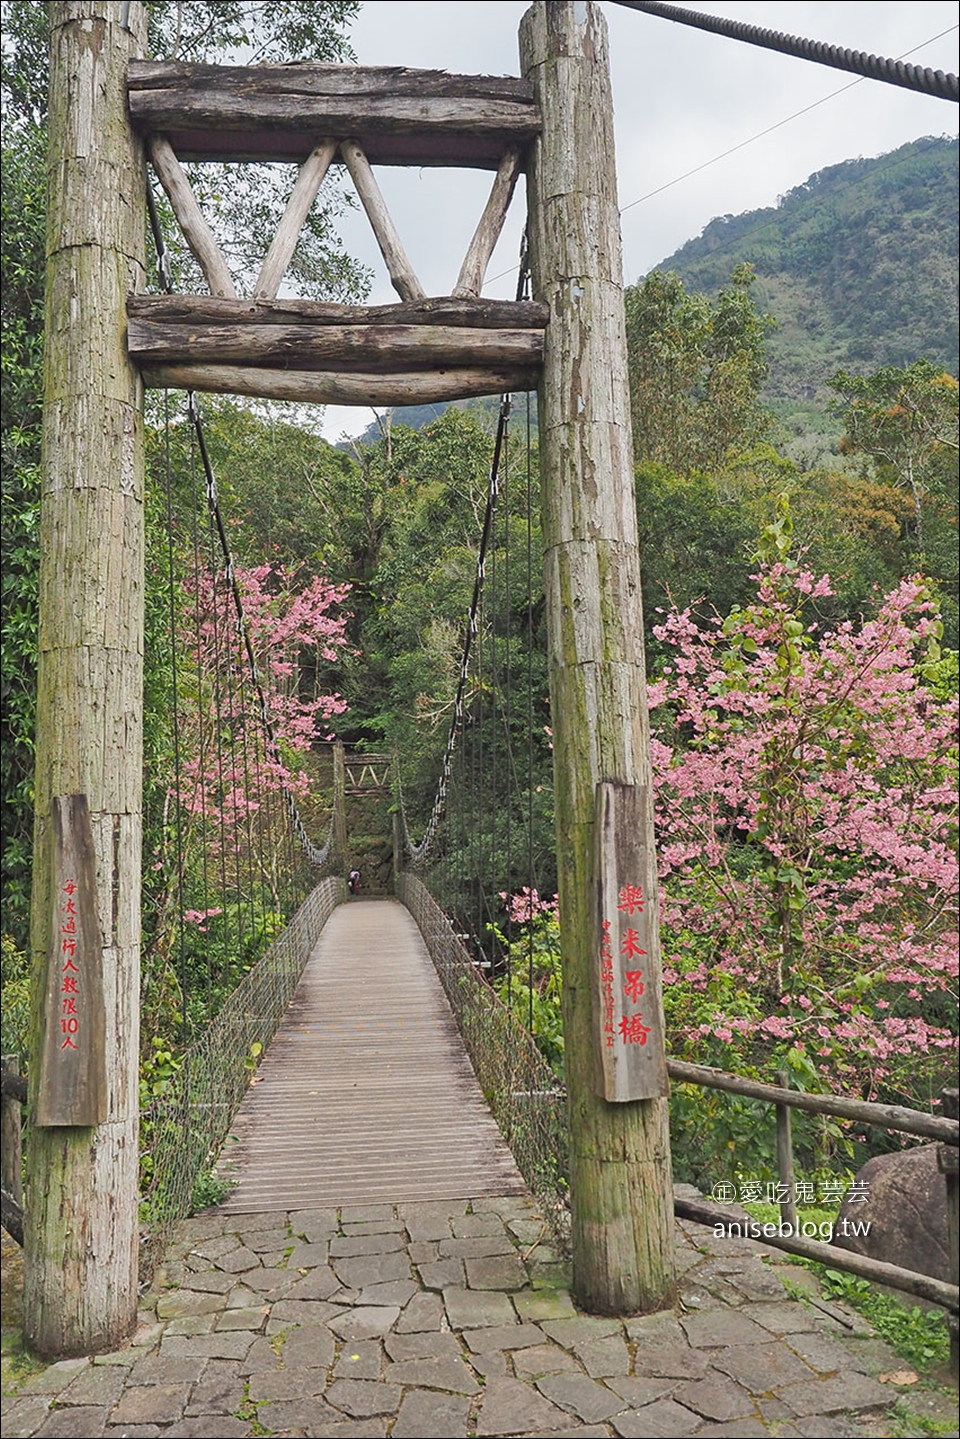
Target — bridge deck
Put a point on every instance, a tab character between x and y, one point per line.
366	1093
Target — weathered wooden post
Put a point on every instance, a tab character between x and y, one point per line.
788	1205
947	1161
11	1120
340	800
397	843
613	1021
81	1240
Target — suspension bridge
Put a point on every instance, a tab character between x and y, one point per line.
366	1095
337	1052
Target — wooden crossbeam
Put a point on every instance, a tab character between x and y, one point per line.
279	112
471	313
318	387
427	350
343	347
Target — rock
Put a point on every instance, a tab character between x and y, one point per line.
906	1208
425	1414
585	1398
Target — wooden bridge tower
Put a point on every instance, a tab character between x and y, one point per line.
105	337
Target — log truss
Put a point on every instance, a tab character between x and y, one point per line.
366	773
413	352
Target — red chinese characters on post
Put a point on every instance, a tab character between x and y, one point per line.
606	984
622	989
633	1030
70	970
631	899
623	895
630	946
634	985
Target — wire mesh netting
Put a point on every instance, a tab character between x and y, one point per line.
183	1129
234	893
527	1100
483	872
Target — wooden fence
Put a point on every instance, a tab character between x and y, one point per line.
786	1235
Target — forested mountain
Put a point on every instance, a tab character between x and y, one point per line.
416	416
858	266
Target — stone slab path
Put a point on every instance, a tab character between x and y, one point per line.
450	1319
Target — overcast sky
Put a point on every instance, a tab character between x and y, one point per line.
682	98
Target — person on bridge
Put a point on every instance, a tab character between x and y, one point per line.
353	883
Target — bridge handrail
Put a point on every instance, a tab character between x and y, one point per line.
787	1233
539	1144
527	1099
889	1116
186	1125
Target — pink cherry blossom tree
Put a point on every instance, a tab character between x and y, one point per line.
250	704
806	802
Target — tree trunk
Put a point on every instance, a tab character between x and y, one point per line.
80	1293
917	497
620	1156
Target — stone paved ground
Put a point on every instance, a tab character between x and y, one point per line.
453	1319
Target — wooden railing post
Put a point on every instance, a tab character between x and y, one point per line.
11	1142
948	1161
340	801
788	1206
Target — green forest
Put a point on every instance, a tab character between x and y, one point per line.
795	419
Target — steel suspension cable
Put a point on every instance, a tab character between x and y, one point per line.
419	851
202	736
872	67
508	708
181	967
529	436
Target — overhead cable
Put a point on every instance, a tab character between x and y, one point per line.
858	62
419	851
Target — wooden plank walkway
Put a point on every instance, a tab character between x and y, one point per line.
366	1094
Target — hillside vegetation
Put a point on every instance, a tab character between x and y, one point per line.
858	266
